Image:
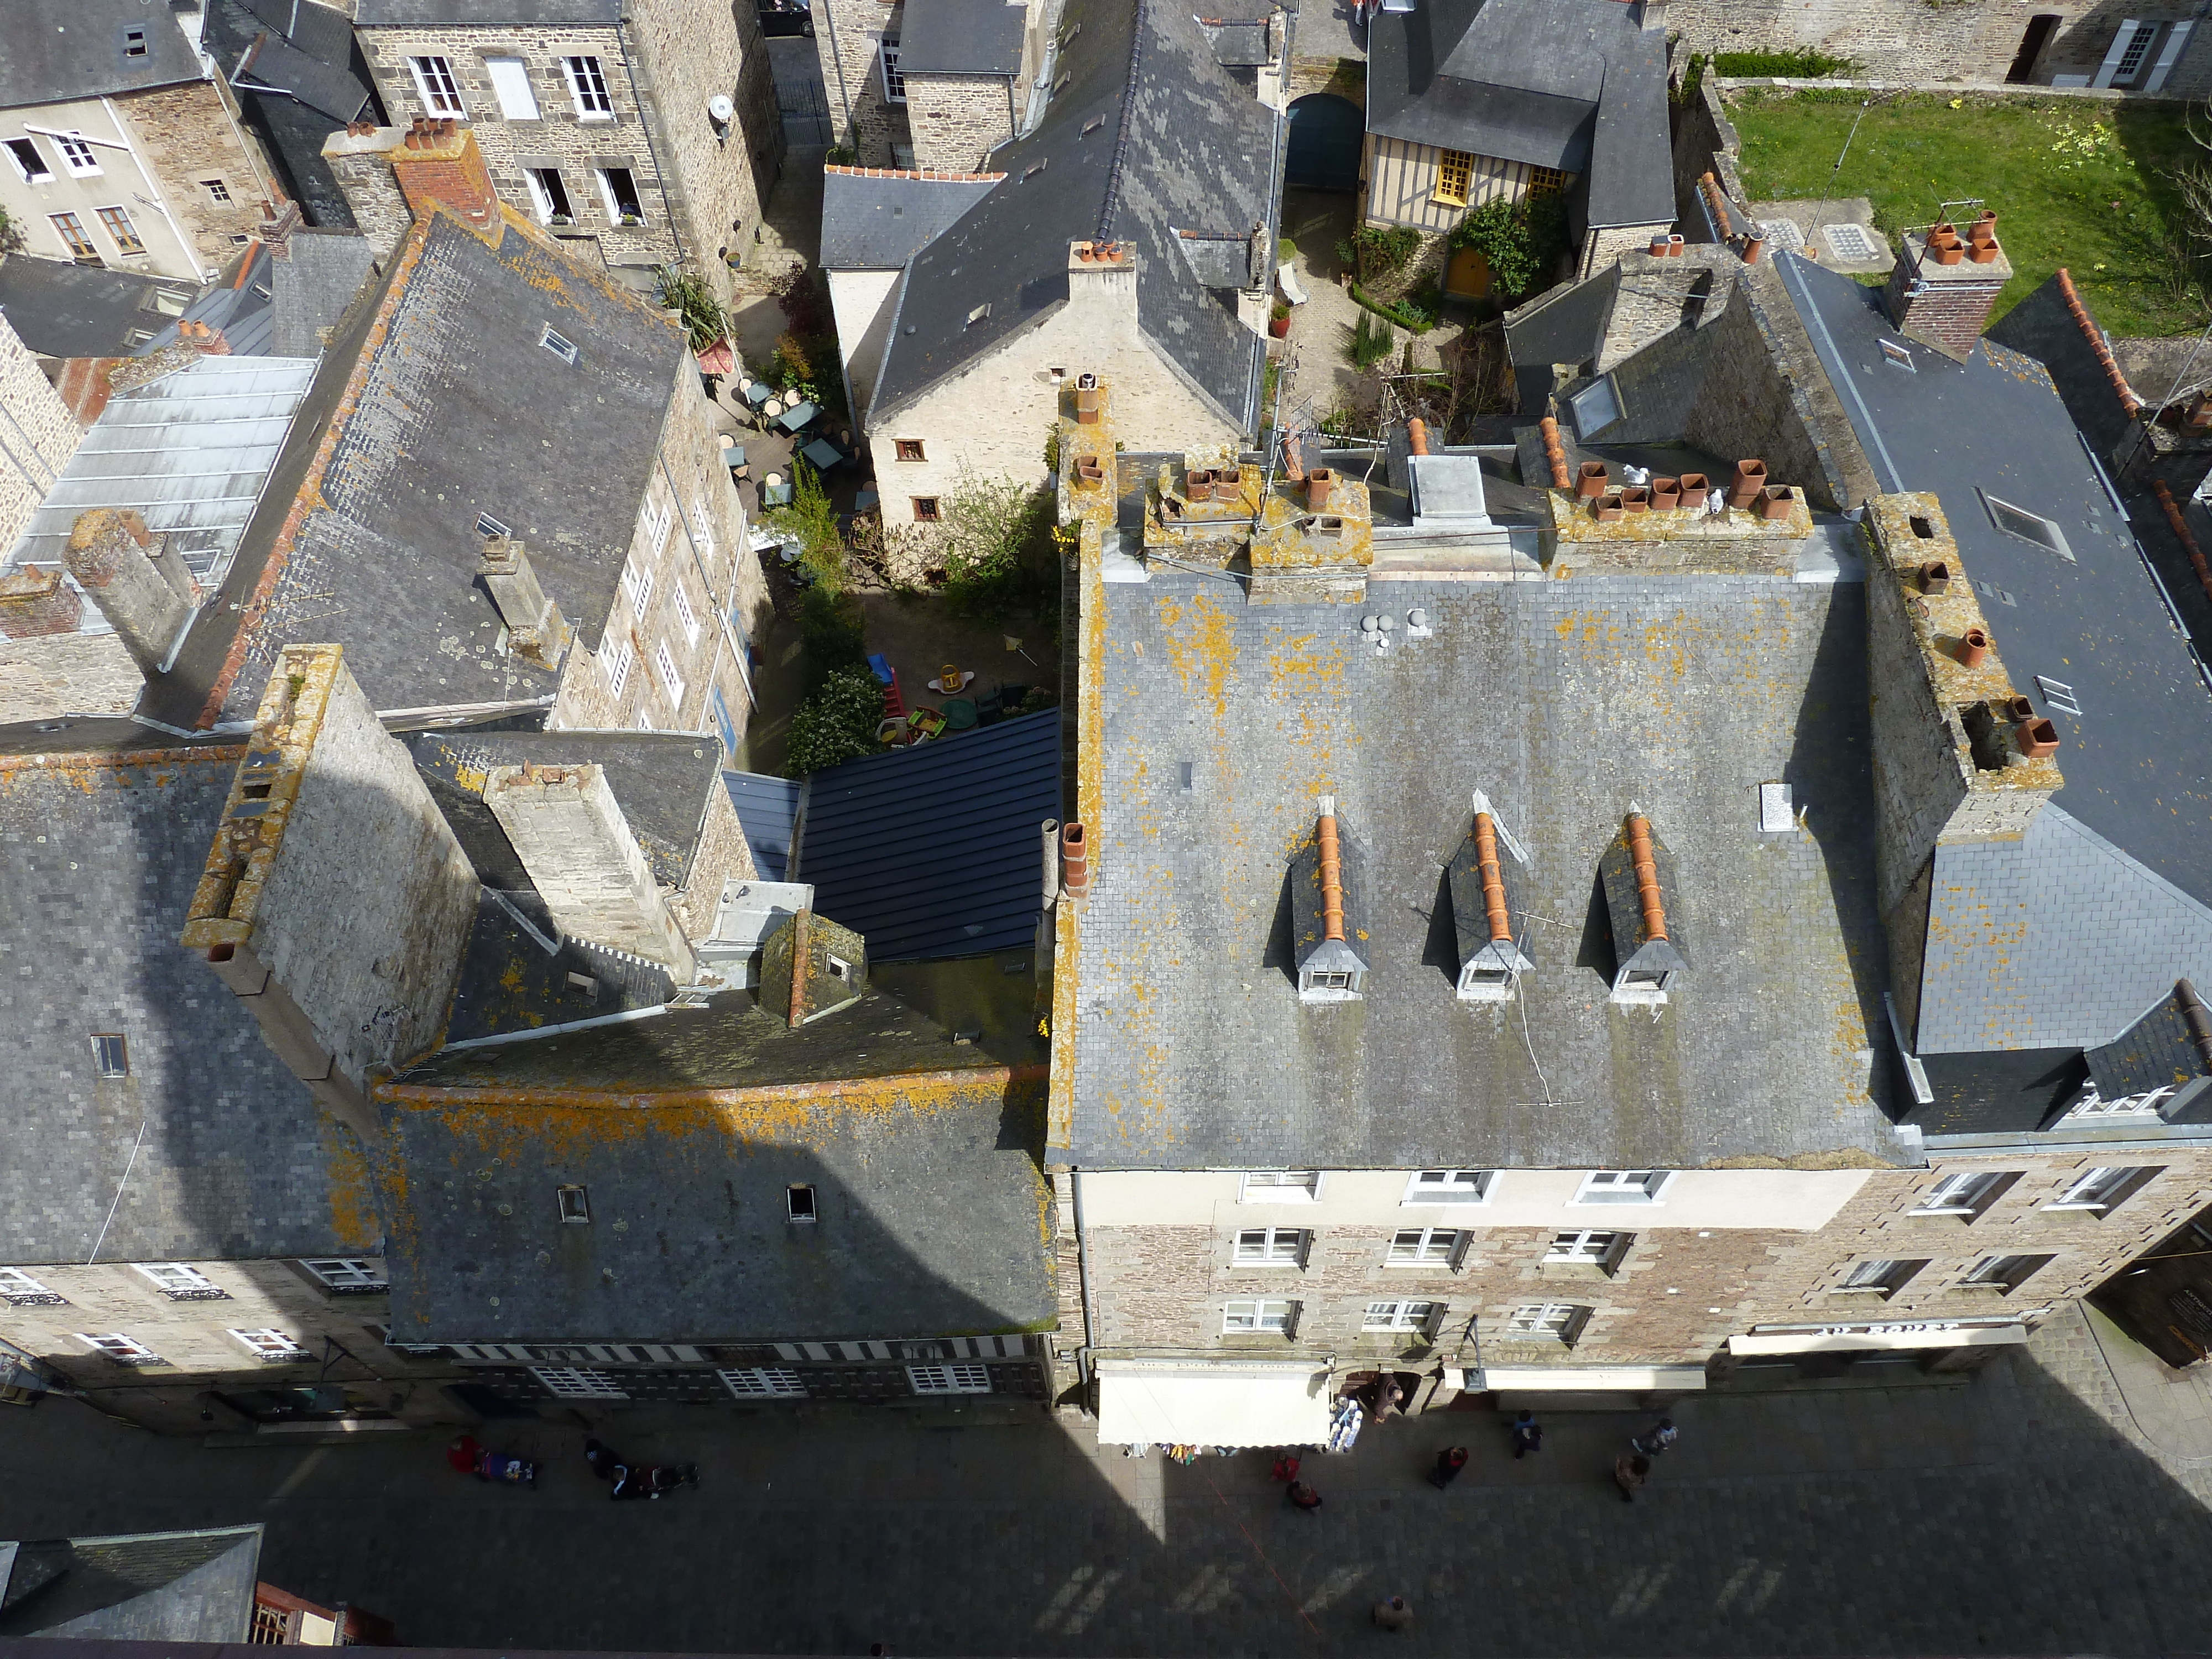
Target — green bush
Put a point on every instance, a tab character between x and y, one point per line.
1522	240
833	630
1285	249
1802	64
703	315
811	518
996	537
1374	251
837	723
1409	314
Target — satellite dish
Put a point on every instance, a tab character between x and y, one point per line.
721	108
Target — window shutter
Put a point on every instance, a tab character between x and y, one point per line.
2110	66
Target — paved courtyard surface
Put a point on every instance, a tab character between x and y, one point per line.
2021	1512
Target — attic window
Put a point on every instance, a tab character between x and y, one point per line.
1093	124
1033	169
585	983
1898	355
559	345
1595	408
575	1205
489	527
134	41
798	1202
2028	527
841	970
111	1055
979	314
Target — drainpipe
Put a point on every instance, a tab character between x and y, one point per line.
837	57
1083	1274
652	153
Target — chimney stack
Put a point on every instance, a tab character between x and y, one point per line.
35	602
146	594
569	832
208	341
1943	286
1329	970
535	629
393	176
1102	274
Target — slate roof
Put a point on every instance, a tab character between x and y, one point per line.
935	850
59	49
2137	758
510	981
1150	134
149	1586
64	310
1572	84
271	64
767	810
1680	694
933	1210
2161	1050
662	780
98	860
371	13
385	559
960	37
877	219
320	274
241	305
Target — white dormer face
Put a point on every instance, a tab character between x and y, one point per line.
1332	985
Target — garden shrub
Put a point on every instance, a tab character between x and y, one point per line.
836	724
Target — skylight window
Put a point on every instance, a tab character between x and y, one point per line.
560	345
489	527
1897	354
1595	408
979	315
2028	527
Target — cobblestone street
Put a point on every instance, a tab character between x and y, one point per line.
2021	1511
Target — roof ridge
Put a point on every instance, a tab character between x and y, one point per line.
934	175
1105	233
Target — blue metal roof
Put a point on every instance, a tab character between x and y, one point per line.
934	851
766	809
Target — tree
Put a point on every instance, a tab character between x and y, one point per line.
836	724
995	537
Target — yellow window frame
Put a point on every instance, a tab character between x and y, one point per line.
1454	178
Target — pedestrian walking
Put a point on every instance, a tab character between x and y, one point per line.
1286	1466
1629	1473
1656	1439
1302	1497
1528	1435
1449	1462
1393	1615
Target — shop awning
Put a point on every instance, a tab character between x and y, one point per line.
1175	1403
1590	1379
1831	1338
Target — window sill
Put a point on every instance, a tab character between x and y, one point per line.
1267	1266
1585	1270
1861	1292
1440	1266
2087	1211
1430	1203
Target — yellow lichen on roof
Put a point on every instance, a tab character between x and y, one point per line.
1201	641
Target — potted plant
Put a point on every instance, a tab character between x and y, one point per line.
1278	320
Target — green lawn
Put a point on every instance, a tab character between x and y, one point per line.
2074	184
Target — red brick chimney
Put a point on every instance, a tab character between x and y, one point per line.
208	341
36	601
1944	284
438	165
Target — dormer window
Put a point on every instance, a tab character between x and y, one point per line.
1491	962
1637	874
1329	969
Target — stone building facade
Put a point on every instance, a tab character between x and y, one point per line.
163	182
858	43
38	434
606	132
2151	49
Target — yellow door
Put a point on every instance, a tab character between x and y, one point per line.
1467	276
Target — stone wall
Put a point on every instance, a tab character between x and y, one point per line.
848	36
189	136
362	168
560	138
957	120
67	674
1756	400
38	435
685	55
723	854
1603	243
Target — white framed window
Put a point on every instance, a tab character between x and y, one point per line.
271	1344
218	192
2138	49
1882	1278
588	86
702	530
434	84
578	1382
2100	1190
1582	1248
1416	1246
70	229
1545	1321
29	162
1401	1316
510	84
79	157
618	662
2004	1273
111	1054
2027	526
123	1350
1258	1316
664	663
684	614
1966	1194
345	1274
640	581
1623	1186
19	1290
657	516
574	1204
618	190
1449	1186
549	197
182	1283
948	1379
763	1382
1270	1247
1279	1186
894	82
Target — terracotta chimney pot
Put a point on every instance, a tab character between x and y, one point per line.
1973	646
1592	482
1694	489
2037	738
